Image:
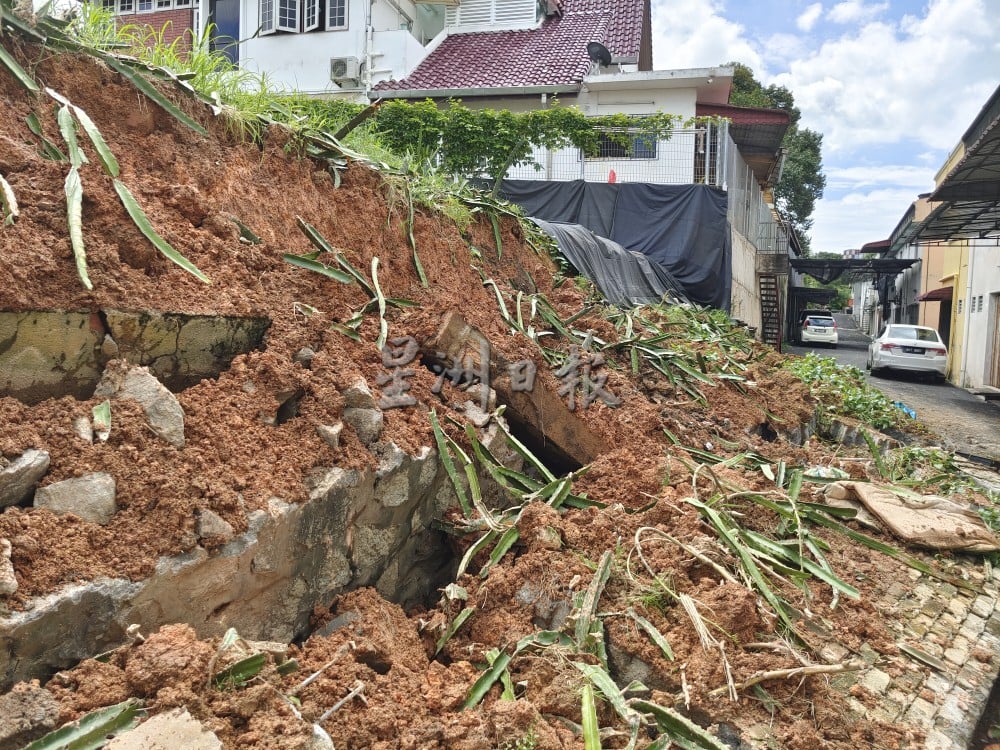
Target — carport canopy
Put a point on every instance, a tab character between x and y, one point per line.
826	271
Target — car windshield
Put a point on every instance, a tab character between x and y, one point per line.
820	322
913	333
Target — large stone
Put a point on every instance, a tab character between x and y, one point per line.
91	497
26	713
213	527
359	396
167	731
8	582
366	423
19	477
163	412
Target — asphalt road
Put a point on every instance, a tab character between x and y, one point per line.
967	424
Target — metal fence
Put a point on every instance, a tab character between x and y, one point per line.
704	155
748	212
689	156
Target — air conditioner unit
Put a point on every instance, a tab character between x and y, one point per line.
344	69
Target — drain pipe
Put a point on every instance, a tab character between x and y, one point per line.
366	80
962	376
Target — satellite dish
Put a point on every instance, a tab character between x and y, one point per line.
598	54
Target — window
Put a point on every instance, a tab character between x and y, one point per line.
126	6
625	146
336	14
144	6
301	15
163	4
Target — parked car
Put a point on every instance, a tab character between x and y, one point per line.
908	347
818	329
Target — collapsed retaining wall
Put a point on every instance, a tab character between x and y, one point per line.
359	528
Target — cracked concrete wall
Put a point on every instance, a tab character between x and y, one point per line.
359	528
48	354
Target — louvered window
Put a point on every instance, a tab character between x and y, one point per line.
505	13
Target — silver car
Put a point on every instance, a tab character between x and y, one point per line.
908	347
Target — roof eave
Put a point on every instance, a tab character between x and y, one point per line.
461	93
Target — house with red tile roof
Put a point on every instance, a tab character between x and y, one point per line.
492	53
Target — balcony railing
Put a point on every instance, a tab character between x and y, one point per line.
689	156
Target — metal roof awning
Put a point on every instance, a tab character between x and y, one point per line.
970	220
970	194
812	294
828	270
940	294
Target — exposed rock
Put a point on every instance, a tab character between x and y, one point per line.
83	429
91	497
26	713
19	477
359	396
304	357
331	434
163	412
213	527
366	423
8	583
167	731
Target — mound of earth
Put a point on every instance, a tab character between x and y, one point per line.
240	449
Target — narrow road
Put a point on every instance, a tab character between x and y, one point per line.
967	424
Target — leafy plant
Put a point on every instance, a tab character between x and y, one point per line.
841	389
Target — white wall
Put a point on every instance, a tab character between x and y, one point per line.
302	61
985	283
745	297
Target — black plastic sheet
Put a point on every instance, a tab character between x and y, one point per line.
683	228
625	277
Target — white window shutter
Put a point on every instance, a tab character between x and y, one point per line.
267	19
310	14
288	15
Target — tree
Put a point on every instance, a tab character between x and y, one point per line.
802	180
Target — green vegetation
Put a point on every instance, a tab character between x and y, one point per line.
802	180
841	389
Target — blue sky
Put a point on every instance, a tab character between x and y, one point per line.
892	86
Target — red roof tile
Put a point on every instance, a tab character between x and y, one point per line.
553	55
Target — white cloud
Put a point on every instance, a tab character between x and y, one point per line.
855	11
808	18
693	34
924	79
914	179
858	218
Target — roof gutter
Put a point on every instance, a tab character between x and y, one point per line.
475	92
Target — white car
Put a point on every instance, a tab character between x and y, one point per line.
908	347
819	329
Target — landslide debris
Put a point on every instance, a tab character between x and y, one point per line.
625	571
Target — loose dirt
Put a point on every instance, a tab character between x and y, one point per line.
192	187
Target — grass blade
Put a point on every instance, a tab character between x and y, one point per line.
19	73
453	628
67	126
74	215
444	451
587	619
309	264
239	673
506	541
485	682
383	325
496	235
591	727
92	730
682	731
147	88
108	160
654	634
142	222
49	149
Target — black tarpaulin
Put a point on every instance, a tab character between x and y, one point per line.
624	277
681	227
